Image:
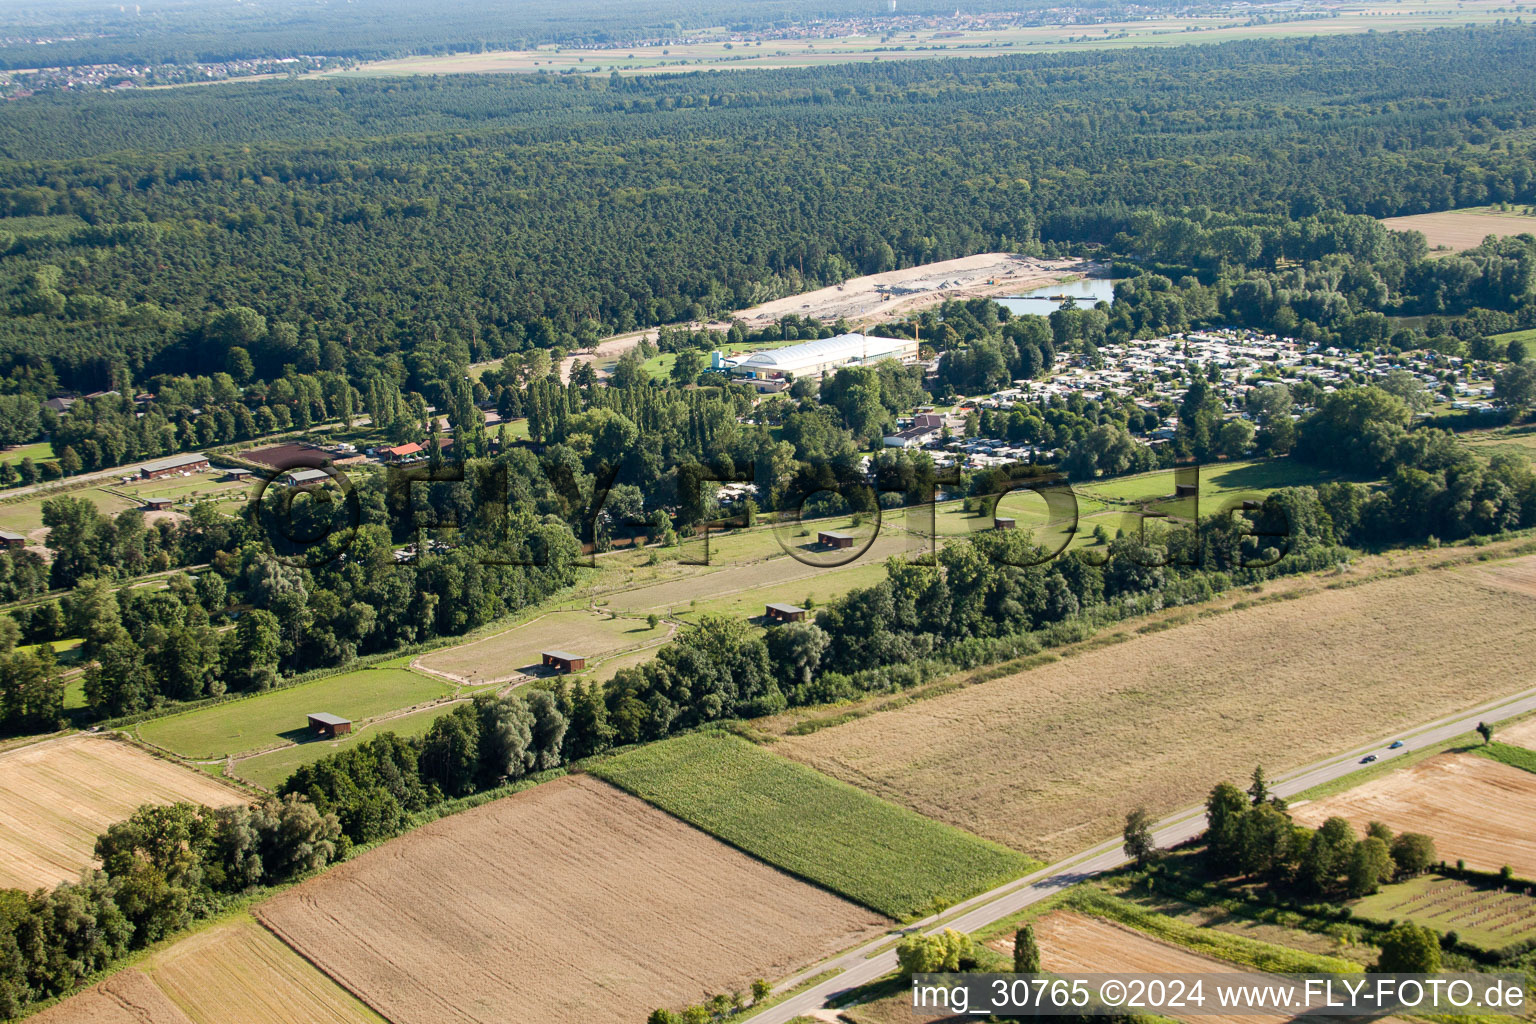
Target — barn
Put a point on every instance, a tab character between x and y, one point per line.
9	539
784	613
1004	523
834	539
192	462
328	727
564	661
157	504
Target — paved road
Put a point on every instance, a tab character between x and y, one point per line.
863	965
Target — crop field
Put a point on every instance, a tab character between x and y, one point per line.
1521	734
1049	760
280	716
128	997
515	652
1463	229
1474	808
1483	916
233	973
873	852
1073	943
57	796
571	901
271	770
724	53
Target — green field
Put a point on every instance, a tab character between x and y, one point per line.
1220	483
1483	916
42	451
1528	337
26	516
875	853
1505	753
271	718
272	769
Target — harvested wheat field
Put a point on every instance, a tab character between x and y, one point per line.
1521	734
1474	808
1458	229
233	973
125	998
569	902
56	797
1077	944
1049	760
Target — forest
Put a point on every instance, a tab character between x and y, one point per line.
413	227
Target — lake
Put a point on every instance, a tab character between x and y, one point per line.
1038	301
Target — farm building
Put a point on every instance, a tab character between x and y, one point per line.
192	462
157	504
1003	522
237	474
401	452
814	358
564	661
300	477
9	539
834	539
329	726
785	613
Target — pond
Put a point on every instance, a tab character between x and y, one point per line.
1046	300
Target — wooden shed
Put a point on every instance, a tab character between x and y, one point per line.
834	539
328	727
784	613
1004	522
158	504
564	661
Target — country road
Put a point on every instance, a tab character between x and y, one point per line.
863	965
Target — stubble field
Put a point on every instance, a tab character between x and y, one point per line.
233	973
1049	760
1475	809
570	902
56	797
1463	229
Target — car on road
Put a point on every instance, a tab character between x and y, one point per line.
1368	758
1395	744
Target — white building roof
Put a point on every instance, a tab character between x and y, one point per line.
175	462
825	350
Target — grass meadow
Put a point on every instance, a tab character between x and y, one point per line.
278	716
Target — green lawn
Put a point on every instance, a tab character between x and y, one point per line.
888	858
1219	482
1505	753
1526	336
270	718
42	451
271	770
